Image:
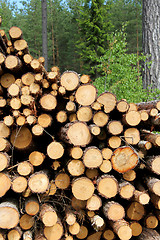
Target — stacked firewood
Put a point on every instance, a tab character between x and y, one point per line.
73	165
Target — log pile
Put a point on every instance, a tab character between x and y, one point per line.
73	165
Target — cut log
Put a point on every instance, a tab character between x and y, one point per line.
108	234
15	234
19	184
70	106
31	206
15	33
76	152
144	145
27	58
153	185
95	236
82	188
85	79
37	130
21	139
95	130
107	186
108	100
4	161
151	221
48	102
44	120
132	118
61	116
149	234
114	142
9	215
76	167
122	229
97	222
74	229
8	120
76	133
106	166
48	215
122	106
100	119
55	150
70	218
13	90
154	164
132	136
7	79
69	80
26	222
129	175
142	197
107	153
36	158
5	184
13	63
62	181
136	228
124	159
144	115
115	127
94	203
113	211
135	211
155	200
154	138
92	157
84	114
21	45
38	182
86	94
55	232
126	190
4	145
83	232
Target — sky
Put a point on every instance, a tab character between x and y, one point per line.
18	4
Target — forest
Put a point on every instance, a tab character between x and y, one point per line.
99	38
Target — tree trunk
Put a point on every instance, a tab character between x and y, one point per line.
44	31
151	32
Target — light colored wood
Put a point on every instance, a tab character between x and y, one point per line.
13	90
108	100
84	114
126	190
36	158
85	78
27	235
45	120
62	180
107	153
61	116
74	229
37	130
129	175
70	218
27	78
153	185
132	118
4	160
15	33
124	159
122	106
5	184
83	233
92	157
9	215
15	103
48	215
144	115
113	211
13	63
55	150
38	182
95	130
27	58
36	65
86	94
26	222
142	197
4	130
82	188
31	206
106	166
122	229
100	119
132	136
107	186
4	145
7	79
114	142
69	80
55	232
14	234
115	127
76	152
48	102
76	167
19	184
94	203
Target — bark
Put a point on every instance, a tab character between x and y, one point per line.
151	33
44	31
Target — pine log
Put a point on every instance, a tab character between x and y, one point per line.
95	236
86	94
36	158
122	106
142	197
144	115
135	211
97	222
153	162
37	130
70	218
85	79
27	58
113	211
76	133
45	120
69	80
70	106
19	184
92	157
108	100
155	200
62	180
83	232
149	234
13	63
15	234
8	120
144	145
94	203
55	150
154	138
122	229
4	145
107	153
9	215
7	79
48	102
21	45
84	114
106	166
55	232
31	206
15	33
38	182
108	234
132	136
148	105
151	221
4	161
5	184
76	167
76	152
153	185
124	159
21	139
136	228
126	190
107	186
129	175
26	222
115	127
61	116
92	173
82	188
48	215
100	119
74	229
131	118
114	142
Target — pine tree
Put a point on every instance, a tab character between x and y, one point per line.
93	35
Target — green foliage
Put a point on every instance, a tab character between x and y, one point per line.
120	73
